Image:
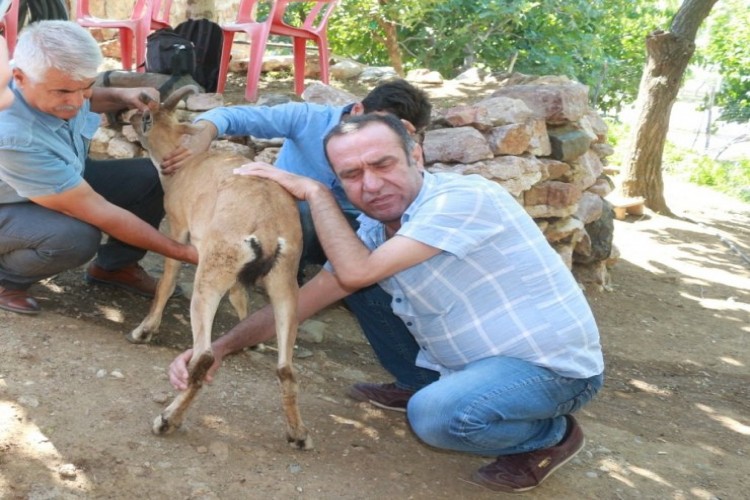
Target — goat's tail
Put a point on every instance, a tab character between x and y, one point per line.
261	264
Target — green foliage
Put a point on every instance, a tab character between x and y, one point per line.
597	42
728	51
731	177
728	176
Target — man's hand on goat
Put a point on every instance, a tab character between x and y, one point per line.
132	97
178	370
192	144
299	186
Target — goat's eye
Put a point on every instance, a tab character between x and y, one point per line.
147	121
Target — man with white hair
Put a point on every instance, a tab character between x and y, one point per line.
54	200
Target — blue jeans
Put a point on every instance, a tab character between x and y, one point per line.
392	342
495	406
498	406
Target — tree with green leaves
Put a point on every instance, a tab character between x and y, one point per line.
597	42
728	51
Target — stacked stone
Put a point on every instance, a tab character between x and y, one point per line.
539	139
544	144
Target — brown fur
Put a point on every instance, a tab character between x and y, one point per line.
245	229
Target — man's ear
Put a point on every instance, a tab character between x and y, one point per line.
19	76
409	126
357	109
417	155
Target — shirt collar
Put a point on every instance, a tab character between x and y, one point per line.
428	180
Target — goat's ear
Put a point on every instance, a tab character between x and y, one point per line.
147	100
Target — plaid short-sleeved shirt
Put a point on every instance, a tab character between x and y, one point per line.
496	289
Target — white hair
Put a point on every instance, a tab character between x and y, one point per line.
61	45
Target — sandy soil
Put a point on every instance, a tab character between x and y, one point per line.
673	420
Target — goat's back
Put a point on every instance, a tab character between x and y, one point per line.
210	198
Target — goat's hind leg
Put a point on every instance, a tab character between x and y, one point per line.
282	290
207	293
172	416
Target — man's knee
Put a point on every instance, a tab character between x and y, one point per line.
428	422
74	246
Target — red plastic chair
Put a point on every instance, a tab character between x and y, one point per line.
147	15
257	36
160	14
313	28
9	26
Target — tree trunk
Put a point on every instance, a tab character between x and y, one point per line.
668	56
197	9
391	39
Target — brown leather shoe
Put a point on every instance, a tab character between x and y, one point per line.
386	396
132	278
524	471
18	301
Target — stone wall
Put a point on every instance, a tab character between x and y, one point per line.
537	137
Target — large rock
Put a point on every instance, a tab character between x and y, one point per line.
512	139
346	70
505	110
568	142
459	145
320	93
556	103
467	116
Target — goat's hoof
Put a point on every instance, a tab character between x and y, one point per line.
304	443
139	336
162	426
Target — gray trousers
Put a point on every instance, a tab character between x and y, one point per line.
36	243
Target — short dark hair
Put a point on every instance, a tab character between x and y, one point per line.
403	100
356	123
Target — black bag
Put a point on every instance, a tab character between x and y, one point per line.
169	53
207	40
39	10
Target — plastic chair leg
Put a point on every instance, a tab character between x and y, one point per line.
226	56
254	66
126	48
298	48
323	56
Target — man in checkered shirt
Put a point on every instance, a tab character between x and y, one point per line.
490	340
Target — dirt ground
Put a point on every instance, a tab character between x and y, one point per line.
673	420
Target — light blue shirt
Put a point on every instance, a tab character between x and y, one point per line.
302	125
497	288
41	154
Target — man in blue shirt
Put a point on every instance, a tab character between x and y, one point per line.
54	200
303	126
469	277
6	96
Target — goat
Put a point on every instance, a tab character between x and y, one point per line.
245	229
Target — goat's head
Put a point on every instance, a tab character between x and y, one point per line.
158	129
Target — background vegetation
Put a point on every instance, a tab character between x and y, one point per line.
597	42
600	43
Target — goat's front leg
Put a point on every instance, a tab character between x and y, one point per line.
282	291
143	333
